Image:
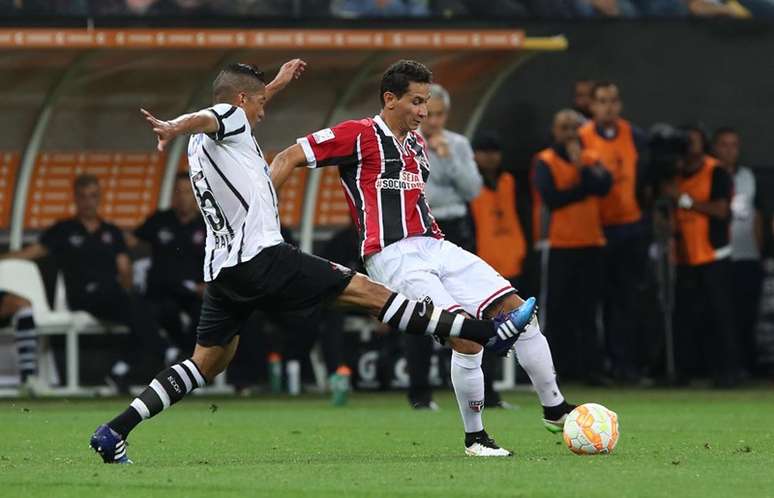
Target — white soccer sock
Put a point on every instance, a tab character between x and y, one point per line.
468	381
534	356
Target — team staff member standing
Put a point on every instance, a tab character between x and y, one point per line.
746	243
454	182
92	255
175	278
499	237
621	148
570	181
704	322
495	216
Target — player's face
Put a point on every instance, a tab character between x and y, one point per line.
253	103
436	118
87	201
411	108
183	199
727	149
606	104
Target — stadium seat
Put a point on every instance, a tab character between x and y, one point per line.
23	278
9	164
130	184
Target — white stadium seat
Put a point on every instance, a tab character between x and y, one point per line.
23	278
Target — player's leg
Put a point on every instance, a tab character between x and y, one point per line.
483	292
19	309
422	317
534	355
413	267
301	281
216	344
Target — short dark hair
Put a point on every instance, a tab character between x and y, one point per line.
397	77
601	84
84	180
182	175
236	78
701	130
487	141
724	130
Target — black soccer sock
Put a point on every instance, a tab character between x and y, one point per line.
26	339
556	412
169	387
422	318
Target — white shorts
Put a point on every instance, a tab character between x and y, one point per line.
452	277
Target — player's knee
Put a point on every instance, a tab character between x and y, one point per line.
210	365
503	305
465	346
365	292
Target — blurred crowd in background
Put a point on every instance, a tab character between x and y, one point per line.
522	9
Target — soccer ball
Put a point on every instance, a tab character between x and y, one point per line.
591	429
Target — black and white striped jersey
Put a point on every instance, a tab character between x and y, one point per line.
231	181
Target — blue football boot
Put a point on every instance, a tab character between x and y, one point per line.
510	326
109	444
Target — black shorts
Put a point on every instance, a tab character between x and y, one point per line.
279	278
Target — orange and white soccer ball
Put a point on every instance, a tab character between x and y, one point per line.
591	429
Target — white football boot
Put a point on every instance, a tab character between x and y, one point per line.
481	445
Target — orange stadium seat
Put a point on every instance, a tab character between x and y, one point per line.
291	198
9	165
130	184
332	207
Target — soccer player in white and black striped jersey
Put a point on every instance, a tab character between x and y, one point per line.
248	266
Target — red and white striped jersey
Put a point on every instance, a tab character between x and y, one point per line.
383	179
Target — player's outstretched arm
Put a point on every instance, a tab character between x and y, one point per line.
284	163
291	70
196	122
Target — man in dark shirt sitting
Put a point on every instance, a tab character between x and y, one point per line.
92	255
175	279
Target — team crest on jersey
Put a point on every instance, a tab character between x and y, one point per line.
107	238
476	406
76	240
323	135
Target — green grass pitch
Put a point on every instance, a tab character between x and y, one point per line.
673	444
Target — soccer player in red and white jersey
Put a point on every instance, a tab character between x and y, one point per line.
383	166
